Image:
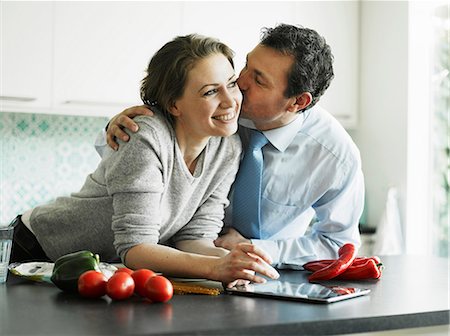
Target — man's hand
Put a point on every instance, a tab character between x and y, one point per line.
230	239
124	120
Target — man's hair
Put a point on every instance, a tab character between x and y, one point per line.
312	70
169	67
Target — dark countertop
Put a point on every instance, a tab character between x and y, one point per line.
413	292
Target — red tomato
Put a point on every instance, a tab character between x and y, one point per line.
158	289
92	284
120	286
140	278
124	269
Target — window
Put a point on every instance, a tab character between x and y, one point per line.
428	129
440	151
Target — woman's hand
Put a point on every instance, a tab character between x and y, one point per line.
244	263
124	120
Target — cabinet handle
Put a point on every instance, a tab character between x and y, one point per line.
94	103
17	98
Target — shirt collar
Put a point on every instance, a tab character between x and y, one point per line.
280	137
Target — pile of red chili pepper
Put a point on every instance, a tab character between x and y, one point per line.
346	267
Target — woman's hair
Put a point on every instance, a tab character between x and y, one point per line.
168	69
312	70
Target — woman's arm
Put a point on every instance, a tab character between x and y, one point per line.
201	246
239	263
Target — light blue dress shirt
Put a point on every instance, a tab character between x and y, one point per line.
312	189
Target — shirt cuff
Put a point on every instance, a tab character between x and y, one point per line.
100	142
270	247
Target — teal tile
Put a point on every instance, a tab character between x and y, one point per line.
43	157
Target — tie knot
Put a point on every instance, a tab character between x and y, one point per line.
257	140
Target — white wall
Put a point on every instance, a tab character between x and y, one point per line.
381	133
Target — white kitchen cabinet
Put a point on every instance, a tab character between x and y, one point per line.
102	50
26	56
238	24
89	57
338	22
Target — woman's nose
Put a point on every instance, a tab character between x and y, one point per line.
241	81
227	100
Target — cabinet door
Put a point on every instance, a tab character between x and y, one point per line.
102	50
338	22
26	56
238	24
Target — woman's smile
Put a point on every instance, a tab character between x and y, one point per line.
227	117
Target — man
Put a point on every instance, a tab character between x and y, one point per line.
312	189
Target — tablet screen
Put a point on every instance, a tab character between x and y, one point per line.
298	291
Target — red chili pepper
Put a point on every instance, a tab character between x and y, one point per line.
368	270
316	265
360	269
347	254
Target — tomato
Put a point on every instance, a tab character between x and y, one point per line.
120	286
158	289
92	284
125	269
140	278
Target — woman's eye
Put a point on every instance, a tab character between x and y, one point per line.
210	92
232	84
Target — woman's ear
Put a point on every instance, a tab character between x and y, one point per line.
173	110
301	102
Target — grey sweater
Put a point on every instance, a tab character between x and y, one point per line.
143	193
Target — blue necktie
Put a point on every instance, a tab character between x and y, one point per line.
247	188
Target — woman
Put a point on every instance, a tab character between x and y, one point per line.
158	202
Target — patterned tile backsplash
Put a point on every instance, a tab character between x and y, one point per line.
43	157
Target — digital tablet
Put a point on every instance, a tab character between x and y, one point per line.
306	292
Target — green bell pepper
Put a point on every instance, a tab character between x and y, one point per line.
68	268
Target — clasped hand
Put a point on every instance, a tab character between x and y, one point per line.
244	262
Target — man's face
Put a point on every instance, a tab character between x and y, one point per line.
263	82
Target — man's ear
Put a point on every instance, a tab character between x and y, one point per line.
300	102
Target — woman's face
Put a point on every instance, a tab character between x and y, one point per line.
211	100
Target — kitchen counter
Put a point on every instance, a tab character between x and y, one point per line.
413	292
